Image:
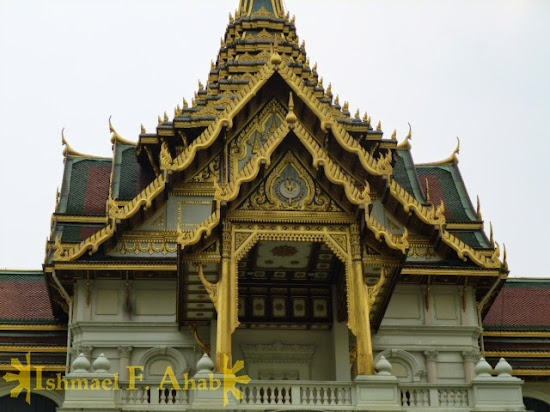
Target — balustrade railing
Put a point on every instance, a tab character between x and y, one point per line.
428	395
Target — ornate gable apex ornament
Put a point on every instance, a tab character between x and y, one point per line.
267	7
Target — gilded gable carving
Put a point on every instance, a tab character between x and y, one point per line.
255	135
290	187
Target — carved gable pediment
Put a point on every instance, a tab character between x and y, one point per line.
289	186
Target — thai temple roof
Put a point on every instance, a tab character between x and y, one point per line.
102	198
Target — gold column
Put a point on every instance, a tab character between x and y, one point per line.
226	302
365	361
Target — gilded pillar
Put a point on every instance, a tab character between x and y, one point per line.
361	309
226	302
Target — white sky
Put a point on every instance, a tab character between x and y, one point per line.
477	69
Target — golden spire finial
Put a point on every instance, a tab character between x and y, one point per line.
428	197
159	119
231	19
201	86
337	100
314	70
166	118
291	118
193	102
394	134
366	117
320	82
329	90
303	45
491	235
379	126
478	211
307	62
143	130
293	19
345	108
185	103
505	258
358	115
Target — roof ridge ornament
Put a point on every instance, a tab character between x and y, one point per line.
69	151
116	137
406	144
451	160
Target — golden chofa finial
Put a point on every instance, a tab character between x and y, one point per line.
478	210
428	197
379	126
406	144
291	118
394	135
143	129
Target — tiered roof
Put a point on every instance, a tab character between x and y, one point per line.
517	326
27	323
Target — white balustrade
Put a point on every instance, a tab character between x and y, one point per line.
153	395
426	395
297	393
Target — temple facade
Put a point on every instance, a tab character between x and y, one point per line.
265	249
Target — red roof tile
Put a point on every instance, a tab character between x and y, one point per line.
24	296
521	303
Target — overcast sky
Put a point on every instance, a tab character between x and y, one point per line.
476	69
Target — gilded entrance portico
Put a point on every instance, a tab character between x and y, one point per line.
343	240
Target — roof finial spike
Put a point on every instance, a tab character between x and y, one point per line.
457	151
320	82
303	45
358	115
231	20
337	100
406	144
159	119
185	103
291	118
379	126
428	197
314	70
201	86
143	130
166	118
478	211
394	134
366	117
345	108
491	235
329	91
